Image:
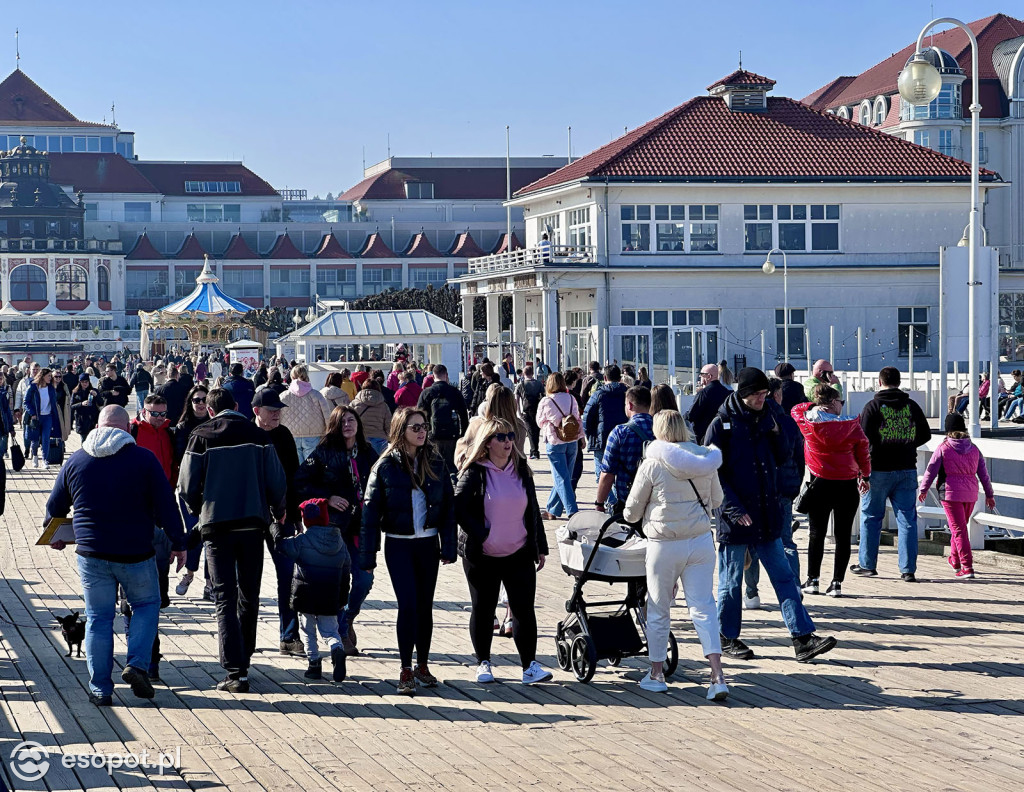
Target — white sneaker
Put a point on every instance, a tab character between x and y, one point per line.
483	672
752	603
535	673
186	580
653	685
718	690
35	462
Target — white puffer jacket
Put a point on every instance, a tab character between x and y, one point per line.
661	495
308	411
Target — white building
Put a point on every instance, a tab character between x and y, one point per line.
658	241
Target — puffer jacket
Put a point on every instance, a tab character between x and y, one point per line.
327	471
159	440
835	448
958	465
470	496
319	583
374	413
605	410
464	445
336	397
307	410
387	507
662	496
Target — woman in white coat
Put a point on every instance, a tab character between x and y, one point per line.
675	489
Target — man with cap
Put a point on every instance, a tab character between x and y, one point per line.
709	399
266	408
792	391
754	440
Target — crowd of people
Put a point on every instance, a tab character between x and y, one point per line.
405	463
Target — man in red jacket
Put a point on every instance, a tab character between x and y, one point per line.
151	430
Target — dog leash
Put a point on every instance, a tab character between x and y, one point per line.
5	620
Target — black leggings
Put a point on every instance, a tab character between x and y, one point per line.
841	499
519	574
412	565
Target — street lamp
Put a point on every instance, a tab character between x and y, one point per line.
768	269
920	83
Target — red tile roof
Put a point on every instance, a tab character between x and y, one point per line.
99	173
191	249
449	183
170	178
238	249
742	77
375	247
420	247
144	250
703	140
284	248
881	78
503	247
22	101
330	248
466	247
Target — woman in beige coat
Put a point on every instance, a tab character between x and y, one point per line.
675	489
307	412
374	413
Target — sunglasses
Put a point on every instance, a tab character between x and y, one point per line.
504	437
161	414
417	428
199	401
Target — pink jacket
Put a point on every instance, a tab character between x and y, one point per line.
548	415
958	465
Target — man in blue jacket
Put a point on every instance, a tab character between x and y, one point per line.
754	441
241	389
605	410
118	492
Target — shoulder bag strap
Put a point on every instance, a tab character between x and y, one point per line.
700	500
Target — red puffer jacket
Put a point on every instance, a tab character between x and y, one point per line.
157	440
836	450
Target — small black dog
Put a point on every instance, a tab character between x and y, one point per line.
73	631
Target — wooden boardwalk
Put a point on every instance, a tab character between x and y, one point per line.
924	691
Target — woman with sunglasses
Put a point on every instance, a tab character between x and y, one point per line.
838	457
501	541
501	405
338	470
409	500
42	414
193	414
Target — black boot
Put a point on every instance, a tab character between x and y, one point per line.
338	658
314	670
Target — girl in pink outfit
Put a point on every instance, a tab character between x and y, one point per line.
958	465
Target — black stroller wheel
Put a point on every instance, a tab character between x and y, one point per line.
563	654
615	661
671	656
584	658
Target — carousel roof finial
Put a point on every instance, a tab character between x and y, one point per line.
207	276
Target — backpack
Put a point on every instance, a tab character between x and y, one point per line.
568	429
444	419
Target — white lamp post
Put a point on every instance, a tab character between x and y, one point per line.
920	83
768	268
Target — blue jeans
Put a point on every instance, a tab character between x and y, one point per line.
598	455
378	444
562	457
140	400
284	568
42	440
141	584
362	582
1015	406
305	446
753	575
730	587
900	488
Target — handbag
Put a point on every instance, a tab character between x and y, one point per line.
17	457
55	451
804	501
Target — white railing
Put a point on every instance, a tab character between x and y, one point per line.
75	336
534	257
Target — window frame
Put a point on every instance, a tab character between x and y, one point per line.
920	326
657	227
788	218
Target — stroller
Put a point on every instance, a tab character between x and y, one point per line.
596	547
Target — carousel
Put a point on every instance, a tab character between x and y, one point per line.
207	317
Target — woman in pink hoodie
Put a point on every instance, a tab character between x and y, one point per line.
958	465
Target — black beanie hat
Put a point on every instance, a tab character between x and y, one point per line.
955	423
750	380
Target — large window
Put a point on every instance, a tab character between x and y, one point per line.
214	213
64	143
185	281
913	323
579	227
380	279
289	282
243	282
948	104
72	283
946	143
421	277
922	137
145	290
797	323
102	284
679	228
419	190
213	187
1011	326
791	227
28	282
138	211
552	226
336	282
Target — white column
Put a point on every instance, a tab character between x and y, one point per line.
312	280
170	282
51	285
359	278
405	274
468	303
5	284
519	321
549	309
600	322
493	320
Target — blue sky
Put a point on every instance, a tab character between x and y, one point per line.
298	89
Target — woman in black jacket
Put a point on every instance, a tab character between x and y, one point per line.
85	406
193	414
409	498
501	539
338	471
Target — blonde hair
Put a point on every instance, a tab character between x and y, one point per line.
670	427
300	373
500	404
484	433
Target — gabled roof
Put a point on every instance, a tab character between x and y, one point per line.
144	250
191	249
170	177
330	248
466	247
742	77
503	246
881	78
238	249
284	248
375	247
22	101
703	140
99	173
449	183
385	324
420	247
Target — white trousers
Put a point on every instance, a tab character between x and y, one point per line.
694	561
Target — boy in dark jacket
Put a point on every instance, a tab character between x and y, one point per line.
320	583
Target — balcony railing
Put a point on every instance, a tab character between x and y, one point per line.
534	257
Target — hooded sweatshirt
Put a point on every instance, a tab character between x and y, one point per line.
835	447
895	426
662	495
118	492
958	465
308	411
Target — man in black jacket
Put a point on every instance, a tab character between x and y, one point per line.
447	415
114	388
709	398
233	481
142	383
174	392
241	389
792	391
896	427
605	410
528	393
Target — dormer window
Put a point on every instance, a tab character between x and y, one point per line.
743	91
864	113
419	190
843	112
